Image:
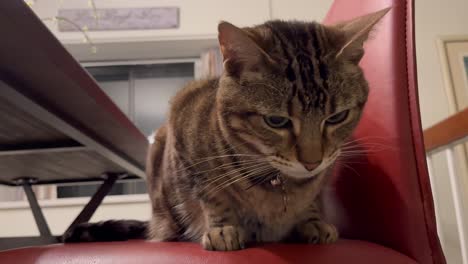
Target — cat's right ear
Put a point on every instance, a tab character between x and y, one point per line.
239	51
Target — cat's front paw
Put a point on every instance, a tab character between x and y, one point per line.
225	238
319	232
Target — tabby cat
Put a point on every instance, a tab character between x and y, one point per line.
242	158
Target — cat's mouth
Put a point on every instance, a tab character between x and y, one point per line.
297	171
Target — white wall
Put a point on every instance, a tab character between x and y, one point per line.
16	218
306	10
435	18
197	18
197	30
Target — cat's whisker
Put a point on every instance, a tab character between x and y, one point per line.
368	150
229	182
256	180
256	164
228	155
237	174
234	171
368	138
231	164
344	153
250	175
214	158
344	159
349	153
262	179
349	167
366	145
351	156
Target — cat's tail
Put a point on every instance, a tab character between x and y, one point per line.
112	230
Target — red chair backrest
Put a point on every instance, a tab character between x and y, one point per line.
385	196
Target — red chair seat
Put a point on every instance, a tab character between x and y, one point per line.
141	252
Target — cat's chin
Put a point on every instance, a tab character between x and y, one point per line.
300	175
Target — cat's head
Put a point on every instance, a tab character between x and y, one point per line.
293	91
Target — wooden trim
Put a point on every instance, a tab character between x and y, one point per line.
446	132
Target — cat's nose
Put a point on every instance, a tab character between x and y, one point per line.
311	166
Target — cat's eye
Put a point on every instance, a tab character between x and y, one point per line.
337	118
277	121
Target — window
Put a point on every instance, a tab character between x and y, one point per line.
142	92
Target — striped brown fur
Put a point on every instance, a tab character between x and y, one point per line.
222	173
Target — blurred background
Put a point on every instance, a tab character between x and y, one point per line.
142	64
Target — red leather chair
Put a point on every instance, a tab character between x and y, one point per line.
382	206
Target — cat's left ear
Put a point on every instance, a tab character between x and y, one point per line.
356	32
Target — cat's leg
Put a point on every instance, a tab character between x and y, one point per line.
313	229
163	226
223	230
